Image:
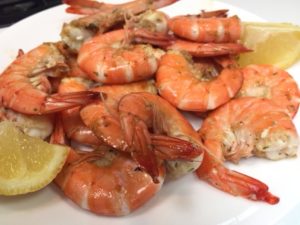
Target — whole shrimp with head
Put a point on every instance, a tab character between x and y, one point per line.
24	86
104	181
100	18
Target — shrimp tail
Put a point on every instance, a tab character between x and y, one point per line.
249	187
170	148
59	102
233	182
209	49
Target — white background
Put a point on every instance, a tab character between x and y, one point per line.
271	10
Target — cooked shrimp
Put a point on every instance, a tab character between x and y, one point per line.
267	81
250	126
207	30
24	86
184	85
78	31
241	128
140	112
105	60
105	181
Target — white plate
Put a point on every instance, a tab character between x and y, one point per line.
186	200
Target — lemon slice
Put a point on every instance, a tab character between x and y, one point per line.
272	43
27	164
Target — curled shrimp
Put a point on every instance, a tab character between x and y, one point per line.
241	128
24	86
207	29
105	59
184	85
104	181
267	81
207	34
102	19
250	126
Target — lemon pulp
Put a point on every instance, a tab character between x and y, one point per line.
272	43
27	164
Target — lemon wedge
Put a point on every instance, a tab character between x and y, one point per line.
272	43
27	164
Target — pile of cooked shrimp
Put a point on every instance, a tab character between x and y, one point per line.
114	88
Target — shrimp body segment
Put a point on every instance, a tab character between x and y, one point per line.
250	126
267	81
24	86
207	30
188	88
105	60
